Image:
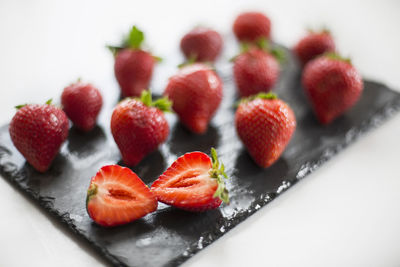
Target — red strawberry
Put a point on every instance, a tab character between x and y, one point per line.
82	103
265	125
133	66
255	70
251	26
314	44
333	86
196	92
202	44
116	196
194	182
38	132
139	126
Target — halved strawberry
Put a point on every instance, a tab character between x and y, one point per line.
194	182
116	196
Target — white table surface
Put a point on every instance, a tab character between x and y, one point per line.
345	214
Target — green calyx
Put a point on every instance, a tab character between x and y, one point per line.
263	44
92	191
133	40
218	172
262	95
163	104
48	102
191	60
336	56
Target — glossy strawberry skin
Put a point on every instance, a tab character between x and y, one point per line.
332	86
133	69
250	26
265	127
196	93
82	104
313	45
138	130
118	196
187	185
255	71
38	131
202	43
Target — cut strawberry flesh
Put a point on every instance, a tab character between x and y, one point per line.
187	183
117	196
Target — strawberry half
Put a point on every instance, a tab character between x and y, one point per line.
194	182
116	196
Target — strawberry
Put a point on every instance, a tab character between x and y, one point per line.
38	131
202	44
332	85
139	126
314	44
133	66
251	26
265	125
116	196
196	92
194	182
255	70
82	103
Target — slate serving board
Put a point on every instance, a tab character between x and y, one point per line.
170	236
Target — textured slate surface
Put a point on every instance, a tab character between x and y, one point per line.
169	236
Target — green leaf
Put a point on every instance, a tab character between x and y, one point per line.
218	172
279	54
263	43
158	59
336	56
114	49
191	60
146	98
20	106
48	102
262	95
135	38
163	104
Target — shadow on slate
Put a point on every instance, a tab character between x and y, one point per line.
170	236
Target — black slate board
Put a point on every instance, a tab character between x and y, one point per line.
169	236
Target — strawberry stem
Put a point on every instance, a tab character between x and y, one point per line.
48	102
163	104
218	172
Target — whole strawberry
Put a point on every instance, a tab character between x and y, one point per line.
194	182
202	44
82	103
265	125
133	66
251	26
139	126
255	70
332	85
196	92
313	45
38	131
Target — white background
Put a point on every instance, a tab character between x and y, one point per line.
345	214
